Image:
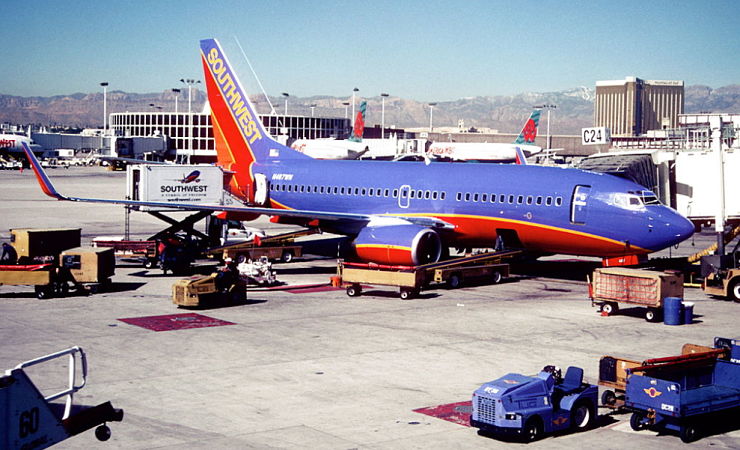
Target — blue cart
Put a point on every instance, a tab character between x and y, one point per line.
682	396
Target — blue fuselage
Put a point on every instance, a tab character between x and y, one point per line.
549	210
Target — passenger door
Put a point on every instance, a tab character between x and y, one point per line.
579	204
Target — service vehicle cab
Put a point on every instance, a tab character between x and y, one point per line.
528	406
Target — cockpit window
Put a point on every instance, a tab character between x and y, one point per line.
628	201
649	198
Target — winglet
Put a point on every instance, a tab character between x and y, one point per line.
43	180
521	159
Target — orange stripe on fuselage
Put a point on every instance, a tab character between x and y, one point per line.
534	236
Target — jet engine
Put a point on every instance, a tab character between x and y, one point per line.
409	245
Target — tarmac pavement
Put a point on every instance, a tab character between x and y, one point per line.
316	368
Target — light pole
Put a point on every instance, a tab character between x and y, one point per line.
177	95
431	114
105	106
286	95
190	82
313	106
383	95
346	105
353	106
549	108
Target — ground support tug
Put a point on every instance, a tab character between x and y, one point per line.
527	407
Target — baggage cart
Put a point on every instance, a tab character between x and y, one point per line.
685	392
613	286
146	251
43	277
412	279
89	267
43	244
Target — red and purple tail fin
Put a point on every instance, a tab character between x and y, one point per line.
241	138
529	132
359	128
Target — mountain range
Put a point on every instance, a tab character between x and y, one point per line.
574	108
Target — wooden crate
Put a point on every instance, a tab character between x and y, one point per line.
189	291
35	242
89	264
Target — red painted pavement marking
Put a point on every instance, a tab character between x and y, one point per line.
175	322
458	413
309	290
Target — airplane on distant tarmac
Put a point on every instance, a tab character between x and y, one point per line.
490	151
330	148
405	214
13	142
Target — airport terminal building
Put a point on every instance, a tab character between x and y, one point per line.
190	135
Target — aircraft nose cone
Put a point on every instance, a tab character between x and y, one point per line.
677	228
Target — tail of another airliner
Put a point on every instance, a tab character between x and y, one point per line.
241	139
529	132
359	128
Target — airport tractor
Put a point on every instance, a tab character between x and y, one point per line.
529	406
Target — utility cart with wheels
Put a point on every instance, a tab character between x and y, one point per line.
410	280
687	394
612	286
30	420
527	407
44	278
614	371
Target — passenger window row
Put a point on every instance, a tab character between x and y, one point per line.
368	192
510	199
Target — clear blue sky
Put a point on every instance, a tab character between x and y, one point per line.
425	50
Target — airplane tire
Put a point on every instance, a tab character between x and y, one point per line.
455	281
733	290
287	256
102	433
354	290
610	308
608	398
688	433
407	294
582	416
496	277
636	421
533	429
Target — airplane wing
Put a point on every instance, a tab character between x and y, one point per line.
48	188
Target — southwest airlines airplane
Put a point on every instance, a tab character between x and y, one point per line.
407	213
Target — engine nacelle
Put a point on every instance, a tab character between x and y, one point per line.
409	245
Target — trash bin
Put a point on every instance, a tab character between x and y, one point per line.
672	311
688	312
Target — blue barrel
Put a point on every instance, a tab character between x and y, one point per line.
672	314
688	312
